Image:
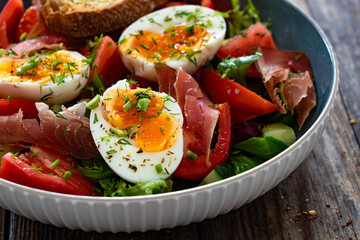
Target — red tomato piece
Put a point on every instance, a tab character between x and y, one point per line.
33	170
108	62
257	35
11	106
200	167
9	20
245	104
27	22
208	3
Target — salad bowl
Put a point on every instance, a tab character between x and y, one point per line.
292	29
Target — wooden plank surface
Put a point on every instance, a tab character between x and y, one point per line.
328	181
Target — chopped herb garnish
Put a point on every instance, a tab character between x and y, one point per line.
122	40
153	39
168	29
143	104
189	29
67	175
167	19
144	46
191	155
93	103
159	168
95	119
55	164
118	132
112	151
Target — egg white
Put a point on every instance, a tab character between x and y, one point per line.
49	92
154	22
124	159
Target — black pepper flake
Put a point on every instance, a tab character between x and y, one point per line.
132	167
140	151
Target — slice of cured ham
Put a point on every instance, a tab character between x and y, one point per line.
277	66
200	118
70	136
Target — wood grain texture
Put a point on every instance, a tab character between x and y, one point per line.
328	181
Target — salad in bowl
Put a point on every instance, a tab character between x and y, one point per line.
179	103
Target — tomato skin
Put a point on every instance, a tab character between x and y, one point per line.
11	106
108	62
9	20
245	104
27	22
22	170
257	35
208	4
199	168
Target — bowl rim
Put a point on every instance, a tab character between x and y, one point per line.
193	190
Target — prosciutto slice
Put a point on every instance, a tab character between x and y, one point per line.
38	43
200	118
70	136
277	66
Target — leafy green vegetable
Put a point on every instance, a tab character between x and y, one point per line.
95	168
239	20
235	68
242	163
281	132
264	148
114	187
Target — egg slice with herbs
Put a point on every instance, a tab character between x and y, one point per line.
138	132
181	36
49	76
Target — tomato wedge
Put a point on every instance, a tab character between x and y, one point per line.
27	22
245	104
36	169
200	167
9	20
11	106
208	4
108	63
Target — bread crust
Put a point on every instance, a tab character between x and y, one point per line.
75	18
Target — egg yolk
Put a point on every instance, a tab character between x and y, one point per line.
53	67
175	42
155	130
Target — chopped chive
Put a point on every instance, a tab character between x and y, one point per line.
98	83
170	44
189	29
67	175
168	29
63	134
118	132
33	64
162	131
122	40
23	36
141	32
1	52
153	39
191	155
172	34
93	103
127	106
95	118
54	164
143	104
144	46
112	151
159	168
158	56
167	19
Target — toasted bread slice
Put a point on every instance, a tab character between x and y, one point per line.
84	18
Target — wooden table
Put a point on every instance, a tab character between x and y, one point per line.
328	181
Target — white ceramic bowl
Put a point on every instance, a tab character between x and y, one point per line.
196	204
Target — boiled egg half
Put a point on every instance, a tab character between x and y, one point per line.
182	36
51	77
138	132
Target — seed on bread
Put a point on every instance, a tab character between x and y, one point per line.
84	18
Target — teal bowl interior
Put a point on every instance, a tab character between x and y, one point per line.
293	30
